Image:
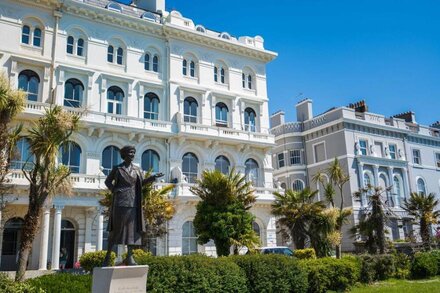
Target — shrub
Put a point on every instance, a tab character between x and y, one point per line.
424	265
92	260
308	253
377	267
138	254
7	285
403	266
272	273
62	283
436	255
331	274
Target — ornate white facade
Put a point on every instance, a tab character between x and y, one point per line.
148	78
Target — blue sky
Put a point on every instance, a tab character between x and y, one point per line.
337	52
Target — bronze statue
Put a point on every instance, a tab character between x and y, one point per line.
126	218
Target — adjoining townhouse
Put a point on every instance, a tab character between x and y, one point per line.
187	97
394	152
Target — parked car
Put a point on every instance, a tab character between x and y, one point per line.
284	250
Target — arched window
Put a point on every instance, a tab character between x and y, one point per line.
297	185
200	29
37	37
256	229
147	61
29	82
421	187
190	110
222	164
67	240
115	97
252	171
190	167
243	80
25	34
184	67
70	44
222	75
110	158
215	73
22	155
80	47
110	53
71	156
397	189
249	120
367	180
73	93
189	238
150	17
151	106
192	69
114	7
156	63
120	56
221	115
150	161
225	36
249	81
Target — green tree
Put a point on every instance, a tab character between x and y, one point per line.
421	207
373	219
223	211
158	209
46	178
337	179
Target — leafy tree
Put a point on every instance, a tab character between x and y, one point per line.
421	207
373	219
46	178
158	209
223	211
337	179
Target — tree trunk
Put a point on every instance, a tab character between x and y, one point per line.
424	233
223	247
30	228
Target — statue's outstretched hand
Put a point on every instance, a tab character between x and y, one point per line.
158	175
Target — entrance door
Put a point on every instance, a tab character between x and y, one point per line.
68	241
11	244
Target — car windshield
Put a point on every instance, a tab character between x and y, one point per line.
278	250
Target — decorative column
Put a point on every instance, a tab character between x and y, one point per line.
271	232
88	231
405	182
213	101
44	239
360	166
100	232
56	237
376	175
391	183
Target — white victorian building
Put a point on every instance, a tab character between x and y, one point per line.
187	97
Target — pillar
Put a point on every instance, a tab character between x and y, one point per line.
391	183
100	232
405	182
376	175
56	237
44	239
88	231
361	181
271	232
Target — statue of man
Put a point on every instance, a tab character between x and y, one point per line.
126	218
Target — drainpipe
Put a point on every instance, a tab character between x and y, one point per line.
57	14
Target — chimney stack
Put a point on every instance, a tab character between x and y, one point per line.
277	119
407	116
151	5
304	110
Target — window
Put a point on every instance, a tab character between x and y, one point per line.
221	115
319	152
222	71
243	80
22	155
147	61
155	63
249	81
151	106
37	37
115	97
192	69
71	156
393	151
367	180
25	34
249	120
363	145
150	17
190	110
281	160
110	158
251	171
120	56
416	157
200	29
70	44
256	229
184	67
73	93
295	157
114	7
437	159
189	238
421	187
110	52
397	190
29	82
215	73
190	167
80	47
222	75
297	185
150	161
11	236
222	164
225	36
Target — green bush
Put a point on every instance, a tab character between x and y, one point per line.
7	285
424	265
403	266
138	255
436	255
272	273
308	253
377	267
331	274
92	260
62	283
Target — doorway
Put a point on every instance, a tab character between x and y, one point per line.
11	244
68	241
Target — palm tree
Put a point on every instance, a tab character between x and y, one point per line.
296	211
421	207
223	211
46	178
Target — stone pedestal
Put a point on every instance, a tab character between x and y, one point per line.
130	279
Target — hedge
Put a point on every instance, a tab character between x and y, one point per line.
307	253
377	267
62	283
424	265
91	260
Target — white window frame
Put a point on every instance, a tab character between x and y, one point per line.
419	157
395	151
437	159
366	146
314	152
281	160
299	156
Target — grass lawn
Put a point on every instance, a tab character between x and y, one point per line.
401	286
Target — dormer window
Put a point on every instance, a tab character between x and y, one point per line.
200	29
114	7
150	16
225	36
